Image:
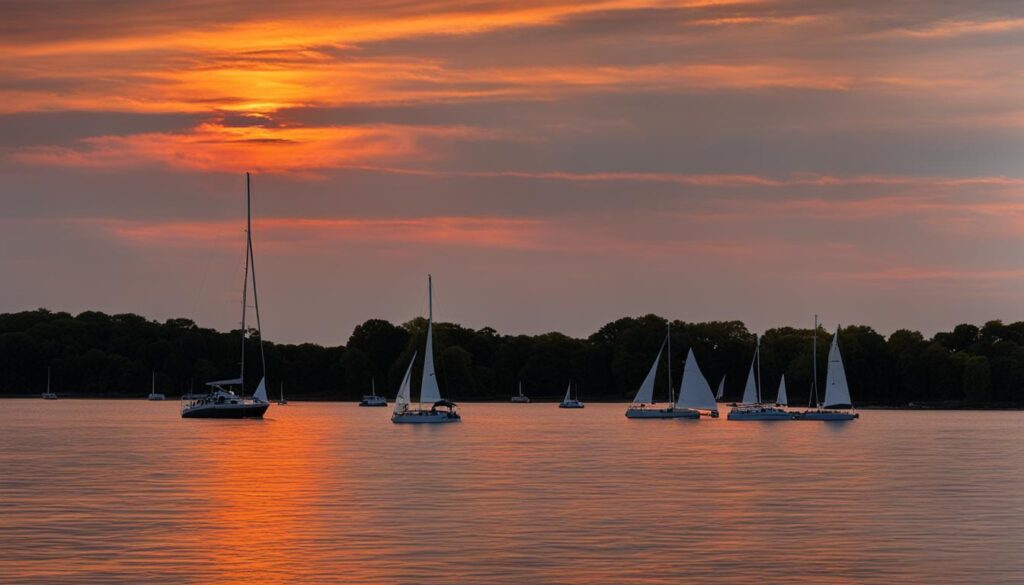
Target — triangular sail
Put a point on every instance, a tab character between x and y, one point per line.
782	400
405	390
694	391
645	395
429	392
261	391
750	390
837	391
721	389
568	389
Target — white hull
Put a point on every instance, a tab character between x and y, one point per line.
156	396
49	396
521	399
825	415
662	413
759	413
425	417
571	404
373	401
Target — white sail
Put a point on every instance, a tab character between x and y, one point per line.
694	391
645	395
782	400
721	389
567	390
750	390
429	392
405	390
837	391
261	391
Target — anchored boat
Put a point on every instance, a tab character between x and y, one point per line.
751	407
838	405
643	403
226	398
372	399
153	394
521	398
441	410
569	401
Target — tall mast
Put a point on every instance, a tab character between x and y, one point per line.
757	356
671	392
47	379
252	264
814	366
245	281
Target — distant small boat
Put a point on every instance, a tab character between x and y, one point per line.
569	401
372	399
752	408
153	394
837	389
281	400
643	405
521	398
222	400
441	410
48	395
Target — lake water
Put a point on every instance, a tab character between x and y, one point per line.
98	491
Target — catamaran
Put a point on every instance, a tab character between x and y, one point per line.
372	399
521	398
48	395
569	401
643	405
153	394
751	408
694	391
222	401
782	400
441	411
837	390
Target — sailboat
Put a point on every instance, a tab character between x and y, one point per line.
782	400
522	398
751	407
569	401
281	400
372	399
694	391
721	389
643	405
153	394
441	411
837	403
48	395
222	401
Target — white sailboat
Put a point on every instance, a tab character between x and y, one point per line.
643	405
521	398
569	401
441	411
694	391
153	394
838	405
782	400
721	389
752	408
281	400
48	395
222	401
372	399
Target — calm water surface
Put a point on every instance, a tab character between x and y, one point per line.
126	491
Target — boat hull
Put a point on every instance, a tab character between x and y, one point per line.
571	405
426	417
520	400
662	413
372	405
760	414
230	411
826	415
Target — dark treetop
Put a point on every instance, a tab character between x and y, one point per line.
94	354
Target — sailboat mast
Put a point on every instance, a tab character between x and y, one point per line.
245	280
252	264
757	356
152	385
814	366
47	379
671	392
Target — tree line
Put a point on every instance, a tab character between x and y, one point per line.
95	354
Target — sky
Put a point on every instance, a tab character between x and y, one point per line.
554	165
